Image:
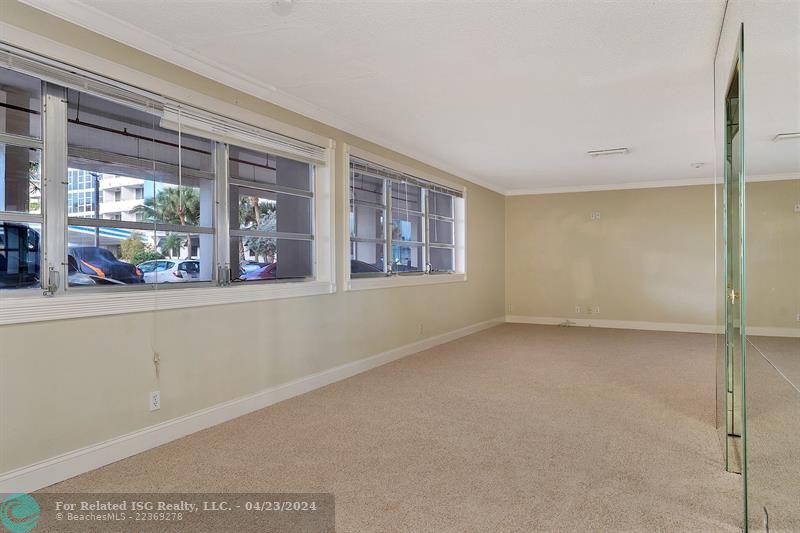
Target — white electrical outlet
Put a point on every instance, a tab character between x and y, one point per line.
798	317
421	329
578	309
595	215
797	208
155	400
596	310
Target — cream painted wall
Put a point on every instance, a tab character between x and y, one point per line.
71	383
650	256
773	254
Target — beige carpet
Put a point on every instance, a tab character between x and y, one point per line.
517	428
773	426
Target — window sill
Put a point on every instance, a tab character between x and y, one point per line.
37	308
363	284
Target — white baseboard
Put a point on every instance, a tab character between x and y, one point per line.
40	475
772	332
616	324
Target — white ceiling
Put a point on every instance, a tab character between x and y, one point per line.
510	94
771	83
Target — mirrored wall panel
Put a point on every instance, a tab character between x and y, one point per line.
771	293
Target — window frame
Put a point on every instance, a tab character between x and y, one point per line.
28	219
141	226
254	188
402	279
24	306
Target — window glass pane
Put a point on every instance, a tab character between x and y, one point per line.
20	104
264	168
20	255
262	258
407	258
133	137
440	204
191	257
441	231
135	199
406	197
123	166
367	222
406	226
269	211
20	179
367	258
365	188
442	259
106	256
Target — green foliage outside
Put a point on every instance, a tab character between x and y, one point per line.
146	255
261	216
171	205
171	245
131	246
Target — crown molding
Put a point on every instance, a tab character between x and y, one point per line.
121	31
612	187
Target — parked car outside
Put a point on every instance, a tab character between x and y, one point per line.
19	256
360	267
170	270
100	262
251	266
76	278
266	271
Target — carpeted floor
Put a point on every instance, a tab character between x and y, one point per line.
516	428
773	426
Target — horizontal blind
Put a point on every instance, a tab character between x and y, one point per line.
201	123
192	120
363	166
77	79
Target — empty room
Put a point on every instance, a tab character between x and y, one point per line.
308	266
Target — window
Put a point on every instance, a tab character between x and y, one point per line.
441	232
271	213
144	191
399	224
158	189
20	180
368	219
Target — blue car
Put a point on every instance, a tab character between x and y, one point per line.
19	256
99	262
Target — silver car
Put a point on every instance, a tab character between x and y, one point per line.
170	270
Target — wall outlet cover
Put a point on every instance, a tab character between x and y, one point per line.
155	400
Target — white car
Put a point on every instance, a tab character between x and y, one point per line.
170	270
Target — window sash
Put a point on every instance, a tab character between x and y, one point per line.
257	187
272	235
23	141
138	226
10	216
105	162
389	178
59	186
363	166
